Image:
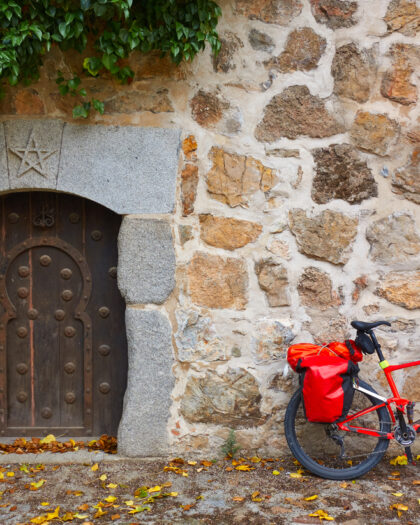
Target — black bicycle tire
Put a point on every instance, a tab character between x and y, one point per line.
351	472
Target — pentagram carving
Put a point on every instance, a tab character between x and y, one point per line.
32	158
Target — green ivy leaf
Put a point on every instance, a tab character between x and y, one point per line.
178	28
98	105
109	61
74	82
63	29
80	112
63	89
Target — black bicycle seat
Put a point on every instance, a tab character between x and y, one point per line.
365	327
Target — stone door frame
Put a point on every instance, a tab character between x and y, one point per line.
133	172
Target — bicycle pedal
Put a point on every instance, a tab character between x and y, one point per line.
409	456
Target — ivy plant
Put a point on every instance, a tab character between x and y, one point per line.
116	28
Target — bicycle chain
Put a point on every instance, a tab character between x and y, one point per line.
368	453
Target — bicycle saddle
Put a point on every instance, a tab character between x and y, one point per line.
365	327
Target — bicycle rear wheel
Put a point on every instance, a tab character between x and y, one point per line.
318	446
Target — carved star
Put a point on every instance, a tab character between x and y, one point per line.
32	158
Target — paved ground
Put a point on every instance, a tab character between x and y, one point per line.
118	491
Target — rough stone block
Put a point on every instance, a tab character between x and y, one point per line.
401	288
294	113
334	13
128	169
232	398
340	173
327	236
146	266
4	174
269	11
142	430
33	152
216	282
302	52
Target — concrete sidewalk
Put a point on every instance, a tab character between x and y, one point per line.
215	493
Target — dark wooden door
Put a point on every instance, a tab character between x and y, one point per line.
63	350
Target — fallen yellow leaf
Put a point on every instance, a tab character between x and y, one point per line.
141	492
192	463
129	502
99	513
47	439
45	503
103	477
295	475
39	520
138	509
322	515
95	467
397	494
37	485
276	472
52	515
399	460
245	468
255	459
311	498
10	474
112	486
398	506
155	489
110	499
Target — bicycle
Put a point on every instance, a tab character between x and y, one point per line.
349	448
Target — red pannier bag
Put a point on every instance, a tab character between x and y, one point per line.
347	350
327	387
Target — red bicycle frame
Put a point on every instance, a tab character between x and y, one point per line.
399	402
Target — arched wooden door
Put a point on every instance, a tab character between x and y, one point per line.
63	350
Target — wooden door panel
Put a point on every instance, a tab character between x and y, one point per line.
63	356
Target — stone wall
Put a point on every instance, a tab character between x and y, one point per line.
297	200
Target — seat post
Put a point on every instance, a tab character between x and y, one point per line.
377	346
